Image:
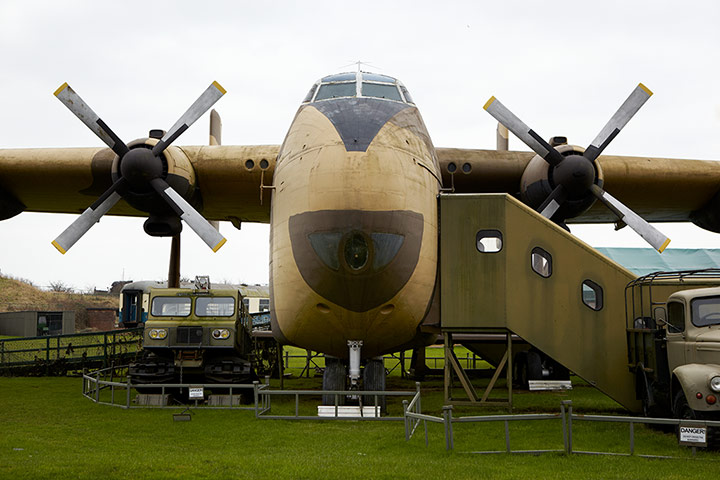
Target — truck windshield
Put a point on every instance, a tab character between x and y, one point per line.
215	307
705	311
170	306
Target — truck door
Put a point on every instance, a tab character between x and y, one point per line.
132	309
676	334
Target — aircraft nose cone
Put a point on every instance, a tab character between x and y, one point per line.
356	259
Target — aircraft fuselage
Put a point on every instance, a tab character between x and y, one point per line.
354	225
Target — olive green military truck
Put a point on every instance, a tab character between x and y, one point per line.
199	334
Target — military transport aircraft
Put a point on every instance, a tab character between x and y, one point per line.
350	196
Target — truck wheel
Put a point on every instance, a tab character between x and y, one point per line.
681	409
333	379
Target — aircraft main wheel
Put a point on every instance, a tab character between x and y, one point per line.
374	380
520	364
534	366
333	379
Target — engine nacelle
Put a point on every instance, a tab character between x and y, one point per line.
538	181
176	170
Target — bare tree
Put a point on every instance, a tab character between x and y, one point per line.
60	286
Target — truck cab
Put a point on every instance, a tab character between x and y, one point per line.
692	330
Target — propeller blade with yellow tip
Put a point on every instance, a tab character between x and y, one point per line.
627	110
208	98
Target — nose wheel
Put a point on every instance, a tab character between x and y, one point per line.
334	377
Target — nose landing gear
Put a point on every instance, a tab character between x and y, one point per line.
337	376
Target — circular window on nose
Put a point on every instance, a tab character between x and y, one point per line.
356	251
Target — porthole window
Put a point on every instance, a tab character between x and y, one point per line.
541	262
592	295
489	241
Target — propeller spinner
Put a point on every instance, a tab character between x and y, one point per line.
574	175
140	169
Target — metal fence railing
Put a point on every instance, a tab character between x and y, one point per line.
112	386
365	410
60	353
413	416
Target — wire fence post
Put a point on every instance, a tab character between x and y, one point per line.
507	436
127	393
405	418
447	416
570	430
563	413
632	437
105	350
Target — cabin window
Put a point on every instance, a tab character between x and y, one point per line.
541	262
705	311
215	306
592	295
676	317
264	304
381	91
489	241
170	306
335	90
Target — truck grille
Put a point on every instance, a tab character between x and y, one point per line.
189	335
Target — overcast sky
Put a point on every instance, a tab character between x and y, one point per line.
564	67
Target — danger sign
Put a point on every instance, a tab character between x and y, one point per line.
693	435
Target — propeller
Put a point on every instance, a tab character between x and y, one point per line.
140	169
573	175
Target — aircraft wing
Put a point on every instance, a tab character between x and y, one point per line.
658	189
68	180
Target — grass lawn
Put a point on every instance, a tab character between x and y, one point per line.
48	430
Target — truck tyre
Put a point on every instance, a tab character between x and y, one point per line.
681	409
333	379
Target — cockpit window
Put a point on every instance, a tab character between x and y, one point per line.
335	90
381	91
375	77
310	94
340	77
406	94
347	85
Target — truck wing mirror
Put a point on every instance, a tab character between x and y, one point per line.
660	315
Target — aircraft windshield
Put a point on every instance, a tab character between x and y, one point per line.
347	85
705	311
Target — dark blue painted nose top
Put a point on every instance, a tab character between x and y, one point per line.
358	104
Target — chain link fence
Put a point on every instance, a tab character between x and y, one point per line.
58	354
